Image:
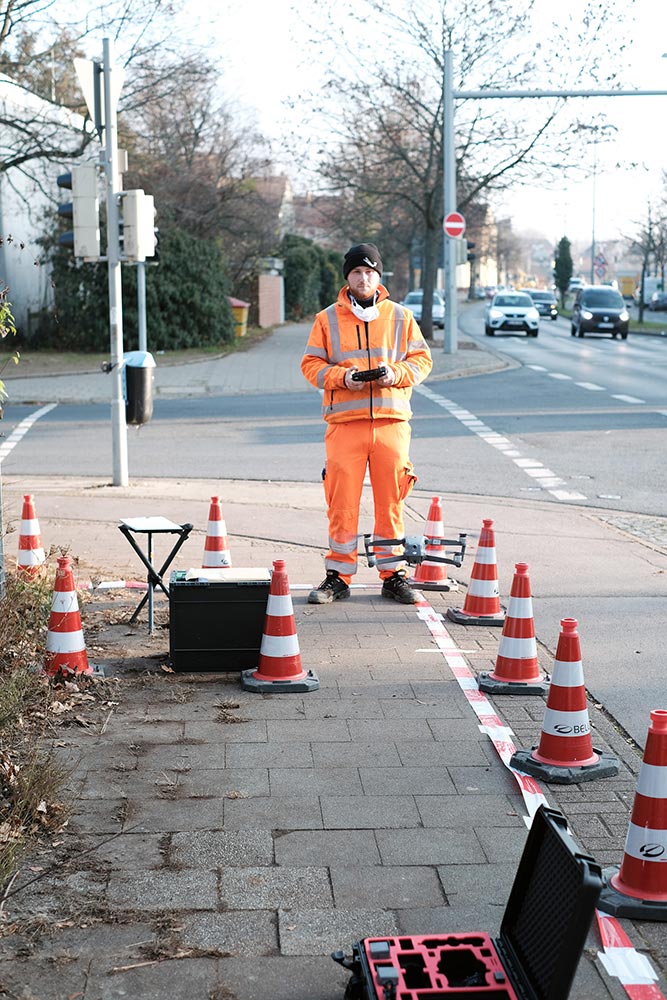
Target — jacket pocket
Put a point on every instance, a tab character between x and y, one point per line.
325	485
406	481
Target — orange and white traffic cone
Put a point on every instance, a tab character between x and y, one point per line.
430	574
216	546
565	754
482	601
279	666
31	556
65	645
639	889
517	670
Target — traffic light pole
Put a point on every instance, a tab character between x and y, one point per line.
449	160
118	424
450	342
141	305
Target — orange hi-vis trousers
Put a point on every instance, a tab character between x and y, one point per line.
383	446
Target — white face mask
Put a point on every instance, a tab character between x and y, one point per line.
365	314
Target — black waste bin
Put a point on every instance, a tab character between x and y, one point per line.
139	370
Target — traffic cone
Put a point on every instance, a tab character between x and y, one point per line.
279	657
431	575
517	670
482	601
31	557
65	645
565	754
639	889
216	546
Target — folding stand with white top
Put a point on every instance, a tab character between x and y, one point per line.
153	526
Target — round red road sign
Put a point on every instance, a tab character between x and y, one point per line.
454	224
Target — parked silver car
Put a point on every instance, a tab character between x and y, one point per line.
512	312
413	301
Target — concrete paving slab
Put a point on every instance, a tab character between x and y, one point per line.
390	887
317	932
251	888
429	847
213	849
249	934
326	847
278	812
364	812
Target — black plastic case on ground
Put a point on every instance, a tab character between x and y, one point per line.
542	935
216	626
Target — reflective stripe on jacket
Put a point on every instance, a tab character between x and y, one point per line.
339	340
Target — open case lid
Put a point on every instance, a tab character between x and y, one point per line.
549	910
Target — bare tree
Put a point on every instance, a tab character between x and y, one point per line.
383	96
43	118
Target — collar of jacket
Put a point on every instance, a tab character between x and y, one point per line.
344	302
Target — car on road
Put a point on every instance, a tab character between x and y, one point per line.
413	301
545	301
600	309
658	302
511	312
575	284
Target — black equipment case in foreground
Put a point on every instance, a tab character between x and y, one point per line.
542	936
216	618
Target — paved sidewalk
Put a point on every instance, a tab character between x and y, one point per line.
223	843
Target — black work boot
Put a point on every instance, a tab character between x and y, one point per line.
397	588
331	589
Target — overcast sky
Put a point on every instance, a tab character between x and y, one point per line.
263	66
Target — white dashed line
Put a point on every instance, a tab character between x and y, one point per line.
592	386
546	479
627	399
559	375
22	429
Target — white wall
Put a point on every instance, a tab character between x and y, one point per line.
28	192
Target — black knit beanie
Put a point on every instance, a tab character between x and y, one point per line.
362	255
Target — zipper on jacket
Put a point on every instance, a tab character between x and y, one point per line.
359	336
370	384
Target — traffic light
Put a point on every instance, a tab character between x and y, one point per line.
471	256
83	209
138	225
155	256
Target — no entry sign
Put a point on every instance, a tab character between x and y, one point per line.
454	224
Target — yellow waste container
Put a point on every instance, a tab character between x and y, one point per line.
240	311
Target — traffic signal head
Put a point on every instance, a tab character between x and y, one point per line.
138	225
83	209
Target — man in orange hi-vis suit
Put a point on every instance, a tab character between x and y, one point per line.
365	334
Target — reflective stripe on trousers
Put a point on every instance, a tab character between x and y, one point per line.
383	446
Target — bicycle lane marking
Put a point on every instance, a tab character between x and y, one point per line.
22	429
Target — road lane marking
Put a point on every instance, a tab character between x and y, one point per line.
538	472
627	399
559	375
22	429
592	386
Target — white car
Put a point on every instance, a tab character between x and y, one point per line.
413	301
512	312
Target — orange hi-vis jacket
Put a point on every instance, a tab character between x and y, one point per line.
339	340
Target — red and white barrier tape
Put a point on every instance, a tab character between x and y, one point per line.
622	961
114	585
619	958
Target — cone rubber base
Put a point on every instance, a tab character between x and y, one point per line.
305	684
490	685
420	585
619	905
462	618
606	767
